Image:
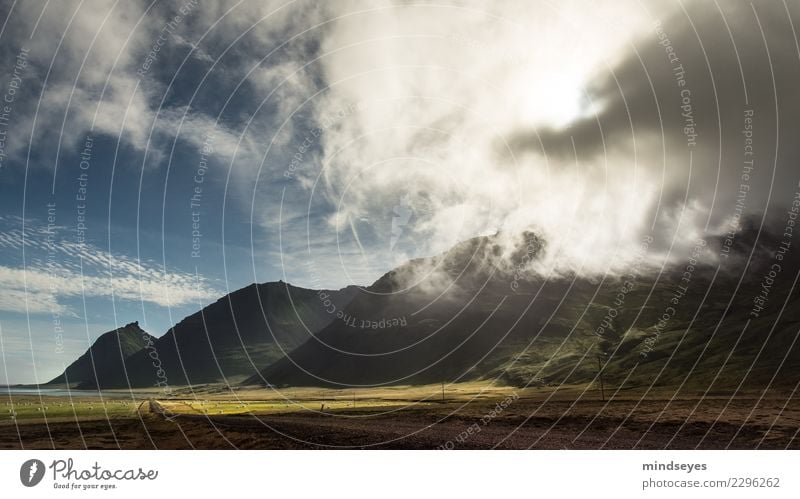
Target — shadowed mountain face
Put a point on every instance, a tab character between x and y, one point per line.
106	355
484	319
231	338
479	312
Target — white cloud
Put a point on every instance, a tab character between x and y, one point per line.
430	91
60	270
434	89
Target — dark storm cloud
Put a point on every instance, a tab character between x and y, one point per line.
733	58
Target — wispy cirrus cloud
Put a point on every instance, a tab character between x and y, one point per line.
57	270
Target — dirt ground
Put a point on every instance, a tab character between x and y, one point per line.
499	419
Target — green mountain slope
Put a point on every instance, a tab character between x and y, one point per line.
483	320
230	339
106	355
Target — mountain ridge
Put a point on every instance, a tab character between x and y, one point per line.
519	328
106	354
223	341
477	312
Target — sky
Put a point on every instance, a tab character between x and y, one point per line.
156	156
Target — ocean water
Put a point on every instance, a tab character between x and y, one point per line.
58	392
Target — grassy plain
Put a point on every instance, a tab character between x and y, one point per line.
462	416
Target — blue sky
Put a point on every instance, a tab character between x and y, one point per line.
94	238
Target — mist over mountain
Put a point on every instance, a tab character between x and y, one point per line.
686	323
484	310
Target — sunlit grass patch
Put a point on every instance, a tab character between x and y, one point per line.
27	408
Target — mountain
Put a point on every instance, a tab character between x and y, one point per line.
106	355
230	339
432	319
480	311
474	313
